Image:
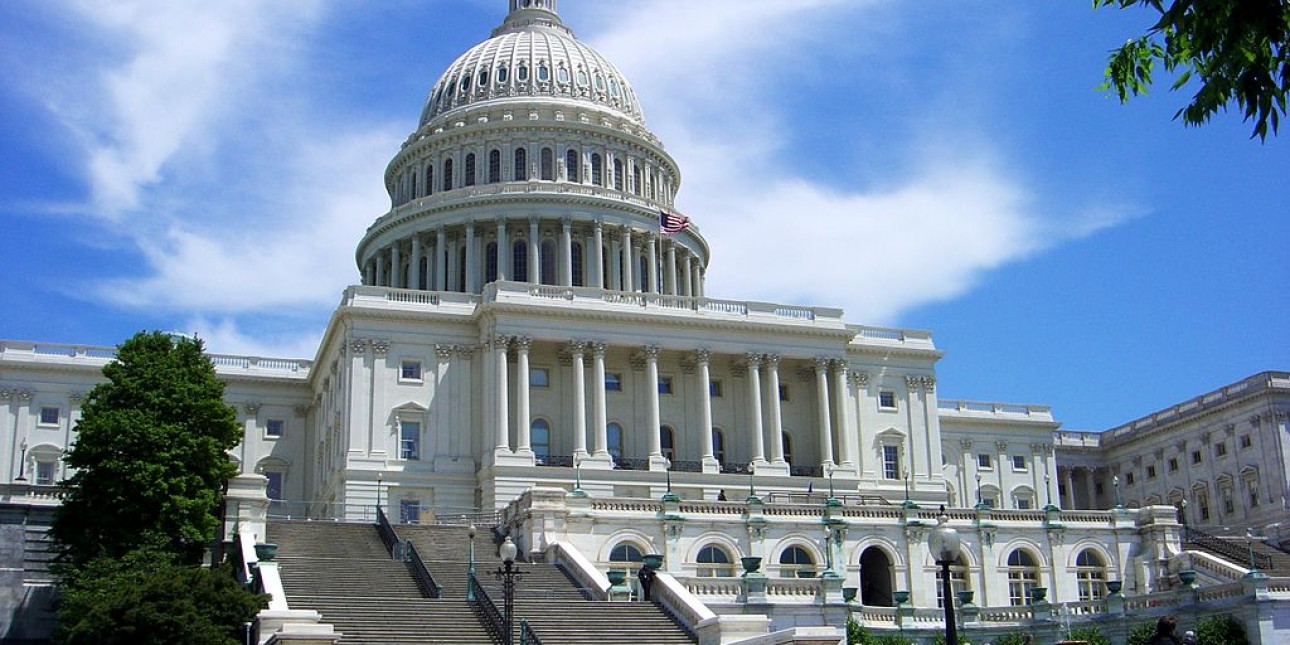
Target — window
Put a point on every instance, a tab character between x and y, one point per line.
783	392
490	262
714	562
1151	471
577	264
562	74
614	439
410	370
1023	575
667	440
984	462
1229	505
274	428
613	382
521	164
571	165
540	439
1202	505
719	445
1128	478
796	562
522	73
1019	463
1252	491
274	486
618	174
958	580
539	377
989	499
1024	503
891	462
1090	575
1245	441
664	385
1220	449
447	174
714	388
429	180
1196	457
544	72
787	444
410	440
469	179
597	169
547	163
483	78
636	180
546	262
494	166
887	400
1173	464
49	416
409	511
45	470
503	74
626	553
520	261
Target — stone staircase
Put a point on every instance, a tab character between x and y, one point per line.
1269	559
558	611
344	572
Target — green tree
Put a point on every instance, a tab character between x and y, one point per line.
1090	634
147	598
1238	50
1141	634
1220	630
150	457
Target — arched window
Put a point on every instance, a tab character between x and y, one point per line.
1023	575
614	434
540	439
520	261
494	166
571	165
503	74
430	180
1090	575
548	262
636	180
447	174
597	169
796	562
548	165
577	264
667	439
490	262
618	174
719	445
469	179
958	580
483	79
714	562
461	268
521	164
626	553
522	73
543	73
413	189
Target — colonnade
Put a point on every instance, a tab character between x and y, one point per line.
538	251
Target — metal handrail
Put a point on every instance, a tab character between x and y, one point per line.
1226	548
527	635
487	611
419	571
388	536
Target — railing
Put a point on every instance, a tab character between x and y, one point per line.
488	612
806	471
687	466
623	463
1225	548
388	536
527	635
420	573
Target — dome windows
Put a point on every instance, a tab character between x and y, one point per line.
562	74
571	166
547	164
613	87
600	82
582	78
469	179
521	164
483	79
543	73
522	73
494	166
503	74
465	84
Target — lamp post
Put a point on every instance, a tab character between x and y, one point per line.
22	463
379	479
1115	482
943	542
508	574
980	501
1249	547
470	568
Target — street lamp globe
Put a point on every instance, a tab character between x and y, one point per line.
944	545
508	551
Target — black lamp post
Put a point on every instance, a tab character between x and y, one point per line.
508	574
470	570
22	463
379	479
944	545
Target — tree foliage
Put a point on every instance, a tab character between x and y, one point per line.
1141	634
1220	630
1090	634
1238	50
150	457
147	598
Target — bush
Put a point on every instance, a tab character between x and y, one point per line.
1011	638
1091	634
1141	634
1220	630
857	635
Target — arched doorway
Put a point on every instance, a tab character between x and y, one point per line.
875	578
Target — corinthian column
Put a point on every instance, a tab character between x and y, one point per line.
822	398
522	427
701	358
500	344
600	414
579	400
776	430
651	405
754	410
845	428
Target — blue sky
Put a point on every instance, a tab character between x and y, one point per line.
209	167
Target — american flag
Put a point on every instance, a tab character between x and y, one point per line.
670	224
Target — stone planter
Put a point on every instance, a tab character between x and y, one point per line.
617	577
901	597
751	563
653	560
1114	586
1037	594
266	552
849	593
1187	577
965	597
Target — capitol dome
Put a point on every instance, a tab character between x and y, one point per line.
532	55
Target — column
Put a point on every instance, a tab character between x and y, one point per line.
579	400
776	429
671	269
380	269
503	257
1069	503
535	253
628	261
500	344
396	269
822	398
414	264
754	411
597	256
651	246
566	252
685	276
698	278
845	428
651	398
702	357
441	264
1092	488
599	413
472	264
522	426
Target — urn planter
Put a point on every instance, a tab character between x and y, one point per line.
965	597
617	577
849	593
1037	594
266	552
751	563
1187	577
1114	586
653	560
901	597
